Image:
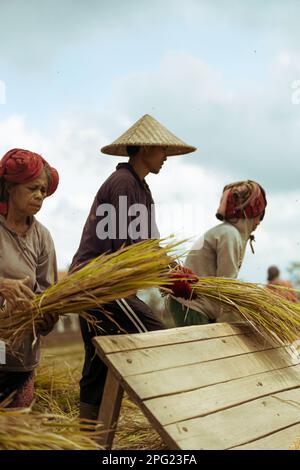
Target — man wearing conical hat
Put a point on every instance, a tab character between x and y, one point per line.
122	214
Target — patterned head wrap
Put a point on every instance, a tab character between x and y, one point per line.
242	200
22	166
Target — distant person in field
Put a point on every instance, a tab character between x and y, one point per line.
220	251
275	280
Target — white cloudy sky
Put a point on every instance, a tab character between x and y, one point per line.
220	74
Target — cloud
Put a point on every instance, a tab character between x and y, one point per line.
74	149
243	125
186	196
38	33
269	19
251	132
189	66
278	237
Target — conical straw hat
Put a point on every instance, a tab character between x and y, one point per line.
147	131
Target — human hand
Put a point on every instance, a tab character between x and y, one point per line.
182	282
47	323
15	292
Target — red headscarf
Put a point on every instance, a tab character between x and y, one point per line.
22	166
242	200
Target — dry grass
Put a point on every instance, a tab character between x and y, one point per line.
27	430
53	424
295	445
271	315
134	431
103	280
57	389
57	378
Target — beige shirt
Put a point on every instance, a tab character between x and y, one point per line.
31	255
218	253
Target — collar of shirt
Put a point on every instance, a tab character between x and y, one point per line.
129	167
32	223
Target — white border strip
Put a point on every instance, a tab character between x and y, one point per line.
2	352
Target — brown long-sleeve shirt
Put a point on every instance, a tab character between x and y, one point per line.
123	190
31	255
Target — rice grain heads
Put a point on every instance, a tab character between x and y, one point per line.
270	314
103	280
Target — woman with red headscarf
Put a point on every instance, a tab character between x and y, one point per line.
220	251
27	260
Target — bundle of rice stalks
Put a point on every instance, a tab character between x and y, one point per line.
274	317
105	279
24	430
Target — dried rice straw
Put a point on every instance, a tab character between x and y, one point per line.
25	430
295	445
274	317
103	280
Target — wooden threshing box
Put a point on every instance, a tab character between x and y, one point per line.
214	386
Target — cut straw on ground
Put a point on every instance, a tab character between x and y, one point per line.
295	445
25	430
59	395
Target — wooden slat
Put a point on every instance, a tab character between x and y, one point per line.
151	339
180	379
281	440
240	424
165	357
200	402
109	410
213	387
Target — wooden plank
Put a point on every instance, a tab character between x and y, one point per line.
151	339
181	379
109	410
240	424
165	357
181	406
281	440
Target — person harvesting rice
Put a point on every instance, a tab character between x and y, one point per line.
220	251
28	260
274	281
122	214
